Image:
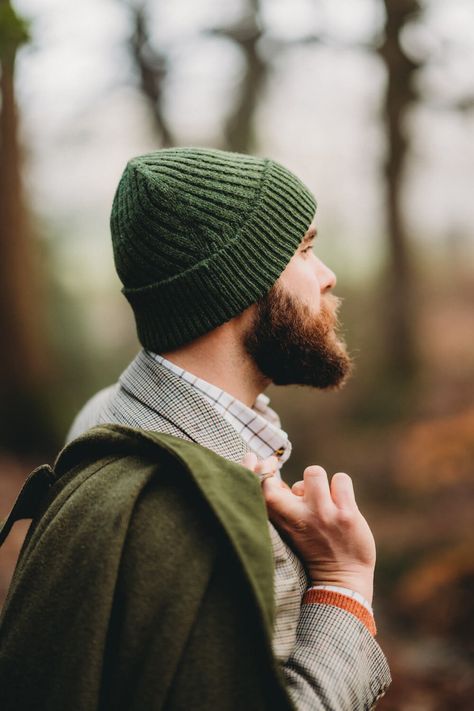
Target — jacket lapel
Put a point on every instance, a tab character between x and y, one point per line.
162	392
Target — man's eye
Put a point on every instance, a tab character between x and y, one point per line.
307	249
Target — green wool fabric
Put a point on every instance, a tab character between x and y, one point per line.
145	582
201	234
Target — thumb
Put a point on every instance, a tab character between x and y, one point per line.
281	503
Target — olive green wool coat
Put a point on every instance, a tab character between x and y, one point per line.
145	582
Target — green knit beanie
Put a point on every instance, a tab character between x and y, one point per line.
201	234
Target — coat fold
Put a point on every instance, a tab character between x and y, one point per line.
145	582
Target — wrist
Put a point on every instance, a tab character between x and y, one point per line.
352	594
361	583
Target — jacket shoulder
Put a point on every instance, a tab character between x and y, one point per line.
91	412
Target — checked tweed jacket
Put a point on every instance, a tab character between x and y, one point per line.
329	658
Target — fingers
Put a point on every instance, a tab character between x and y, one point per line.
283	506
267	466
263	468
342	491
298	488
250	461
316	488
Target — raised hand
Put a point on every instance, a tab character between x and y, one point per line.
326	528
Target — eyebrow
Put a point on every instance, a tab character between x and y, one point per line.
310	235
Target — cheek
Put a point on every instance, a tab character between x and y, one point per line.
300	279
312	296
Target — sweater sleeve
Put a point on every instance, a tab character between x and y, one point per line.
329	658
336	664
345	599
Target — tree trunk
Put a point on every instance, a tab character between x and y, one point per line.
239	127
239	130
23	361
400	310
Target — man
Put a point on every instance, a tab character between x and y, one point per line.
215	253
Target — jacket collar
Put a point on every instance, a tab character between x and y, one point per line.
174	400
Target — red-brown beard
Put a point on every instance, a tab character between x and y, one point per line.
292	346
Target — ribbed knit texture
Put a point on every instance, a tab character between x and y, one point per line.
327	597
201	234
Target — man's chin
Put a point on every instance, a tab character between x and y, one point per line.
291	346
330	376
327	367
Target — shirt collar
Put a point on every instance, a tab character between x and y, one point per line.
259	425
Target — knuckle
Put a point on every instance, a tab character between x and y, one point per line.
300	525
346	517
324	517
271	498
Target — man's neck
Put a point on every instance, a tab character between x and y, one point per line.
221	360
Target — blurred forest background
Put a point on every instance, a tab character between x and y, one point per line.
371	102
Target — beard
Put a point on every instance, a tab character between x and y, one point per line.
293	346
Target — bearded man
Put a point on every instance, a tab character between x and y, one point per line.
215	253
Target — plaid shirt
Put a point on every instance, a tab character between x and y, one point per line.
328	656
259	426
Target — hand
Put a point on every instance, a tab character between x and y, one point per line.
264	468
326	528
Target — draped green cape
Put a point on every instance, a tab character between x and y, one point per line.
145	582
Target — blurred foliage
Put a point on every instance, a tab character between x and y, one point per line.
435	464
14	30
438	454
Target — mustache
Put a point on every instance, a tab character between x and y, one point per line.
329	310
331	303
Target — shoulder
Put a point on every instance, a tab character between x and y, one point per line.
112	456
90	414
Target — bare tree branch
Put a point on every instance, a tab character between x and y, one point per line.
239	128
152	67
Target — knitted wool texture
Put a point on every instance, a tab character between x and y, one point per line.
201	234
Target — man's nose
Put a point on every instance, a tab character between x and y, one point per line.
327	278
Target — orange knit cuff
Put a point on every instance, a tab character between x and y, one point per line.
344	602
